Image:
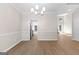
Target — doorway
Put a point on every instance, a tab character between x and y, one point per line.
33	29
60	24
65	26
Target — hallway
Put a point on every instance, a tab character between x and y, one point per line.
64	46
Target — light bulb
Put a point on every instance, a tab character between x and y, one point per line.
37	7
32	10
42	12
35	12
43	9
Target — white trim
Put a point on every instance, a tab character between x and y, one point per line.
75	39
15	45
11	46
4	34
7	34
47	39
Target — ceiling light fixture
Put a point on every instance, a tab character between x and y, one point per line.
38	11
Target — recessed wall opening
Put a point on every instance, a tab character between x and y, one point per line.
65	25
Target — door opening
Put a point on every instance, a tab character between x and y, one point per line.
64	26
33	29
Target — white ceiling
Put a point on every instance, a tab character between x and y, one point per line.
50	7
69	7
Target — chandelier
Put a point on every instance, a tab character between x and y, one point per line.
38	11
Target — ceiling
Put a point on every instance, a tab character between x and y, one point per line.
50	7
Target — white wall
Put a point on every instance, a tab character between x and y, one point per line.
10	27
68	24
25	26
47	26
76	25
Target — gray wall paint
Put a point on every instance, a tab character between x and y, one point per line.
76	24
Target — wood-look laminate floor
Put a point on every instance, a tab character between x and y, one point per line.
64	46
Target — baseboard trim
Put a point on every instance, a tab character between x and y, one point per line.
75	40
12	46
67	34
47	39
5	51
